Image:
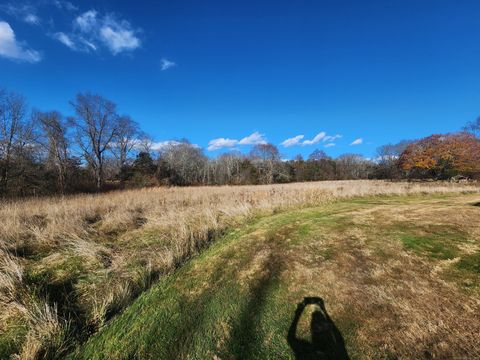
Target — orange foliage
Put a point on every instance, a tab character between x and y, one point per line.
458	152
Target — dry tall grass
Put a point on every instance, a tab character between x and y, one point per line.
77	261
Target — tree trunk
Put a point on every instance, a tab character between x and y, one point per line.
98	179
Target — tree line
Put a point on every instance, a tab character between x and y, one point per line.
43	153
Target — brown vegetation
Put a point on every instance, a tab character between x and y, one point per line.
399	276
69	264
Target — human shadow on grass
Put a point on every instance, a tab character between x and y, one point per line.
245	338
327	341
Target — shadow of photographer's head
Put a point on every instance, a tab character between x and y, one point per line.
326	340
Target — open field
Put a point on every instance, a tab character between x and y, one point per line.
399	278
397	274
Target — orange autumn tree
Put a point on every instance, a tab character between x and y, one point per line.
442	156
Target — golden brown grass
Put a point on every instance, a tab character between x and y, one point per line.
403	303
76	261
388	298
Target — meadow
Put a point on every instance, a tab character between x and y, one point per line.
142	273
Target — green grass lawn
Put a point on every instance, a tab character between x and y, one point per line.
384	277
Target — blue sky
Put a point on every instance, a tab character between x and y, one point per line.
342	76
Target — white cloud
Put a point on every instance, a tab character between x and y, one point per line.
321	136
88	44
73	42
119	39
67	5
32	19
24	12
330	138
316	139
12	49
296	140
166	64
357	141
253	139
329	145
220	143
91	30
65	40
86	22
162	145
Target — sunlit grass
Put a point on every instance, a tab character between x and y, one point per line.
82	259
237	299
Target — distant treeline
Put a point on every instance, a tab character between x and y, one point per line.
43	153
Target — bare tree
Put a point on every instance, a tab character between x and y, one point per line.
473	127
126	139
54	129
227	168
266	157
353	166
387	159
15	132
96	126
145	143
318	155
183	164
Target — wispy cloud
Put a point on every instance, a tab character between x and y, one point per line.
66	5
320	137
329	145
357	141
22	11
296	140
89	45
166	64
12	49
316	139
332	138
65	40
32	19
253	139
221	143
90	30
86	22
163	145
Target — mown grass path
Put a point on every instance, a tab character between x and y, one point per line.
398	277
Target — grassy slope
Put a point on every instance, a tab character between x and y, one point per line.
398	275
